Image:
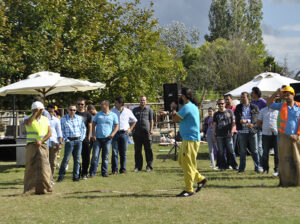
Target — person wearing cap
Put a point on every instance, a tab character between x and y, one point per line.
37	169
289	141
73	131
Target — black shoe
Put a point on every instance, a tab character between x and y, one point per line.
201	184
59	179
105	175
75	179
123	171
185	194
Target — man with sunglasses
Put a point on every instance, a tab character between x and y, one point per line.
289	141
246	116
73	131
86	150
223	127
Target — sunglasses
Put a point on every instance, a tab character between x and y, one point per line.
221	103
72	110
80	104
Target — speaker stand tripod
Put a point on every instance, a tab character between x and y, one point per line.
175	146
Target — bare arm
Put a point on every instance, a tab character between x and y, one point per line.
114	131
29	121
132	124
151	127
259	124
90	132
175	117
94	131
271	99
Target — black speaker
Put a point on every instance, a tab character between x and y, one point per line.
296	87
170	95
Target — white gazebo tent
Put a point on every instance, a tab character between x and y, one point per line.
267	82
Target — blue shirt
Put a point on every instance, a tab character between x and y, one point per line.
124	117
105	123
246	115
55	129
72	127
189	125
292	124
261	103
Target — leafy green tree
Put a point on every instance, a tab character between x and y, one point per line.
235	19
223	65
107	41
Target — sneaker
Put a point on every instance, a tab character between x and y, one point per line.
92	176
148	169
240	172
105	175
185	194
59	179
84	177
123	171
275	174
216	168
75	179
230	167
201	184
265	172
114	173
136	170
52	182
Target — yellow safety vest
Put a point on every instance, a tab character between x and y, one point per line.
37	130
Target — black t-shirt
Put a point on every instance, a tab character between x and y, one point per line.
224	122
87	119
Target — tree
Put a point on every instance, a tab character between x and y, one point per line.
223	65
176	35
111	42
235	19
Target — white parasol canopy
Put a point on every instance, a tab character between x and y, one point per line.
47	83
267	82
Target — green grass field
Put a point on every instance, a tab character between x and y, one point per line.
149	197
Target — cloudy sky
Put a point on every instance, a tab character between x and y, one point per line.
281	24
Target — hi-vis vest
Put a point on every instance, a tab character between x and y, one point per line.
284	118
37	130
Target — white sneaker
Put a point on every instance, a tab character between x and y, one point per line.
275	174
52	182
230	167
216	168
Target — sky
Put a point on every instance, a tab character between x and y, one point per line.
280	25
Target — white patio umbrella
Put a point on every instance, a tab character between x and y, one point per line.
47	83
267	82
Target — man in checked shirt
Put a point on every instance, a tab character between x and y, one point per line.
73	131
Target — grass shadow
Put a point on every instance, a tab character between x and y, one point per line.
7	168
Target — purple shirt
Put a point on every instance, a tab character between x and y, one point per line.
261	103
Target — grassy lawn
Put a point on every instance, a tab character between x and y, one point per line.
149	197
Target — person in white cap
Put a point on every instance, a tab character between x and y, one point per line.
37	169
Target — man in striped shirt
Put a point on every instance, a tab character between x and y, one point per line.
73	131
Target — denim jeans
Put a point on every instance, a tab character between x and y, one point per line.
104	144
268	142
211	147
243	140
74	148
259	146
119	145
222	143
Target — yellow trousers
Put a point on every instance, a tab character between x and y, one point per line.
187	161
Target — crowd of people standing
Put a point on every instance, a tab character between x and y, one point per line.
257	125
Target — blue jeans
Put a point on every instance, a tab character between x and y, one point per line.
104	144
259	146
211	147
269	141
222	143
119	145
74	148
243	140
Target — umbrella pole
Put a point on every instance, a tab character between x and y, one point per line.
13	112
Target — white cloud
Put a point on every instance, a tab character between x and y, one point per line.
281	47
291	27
